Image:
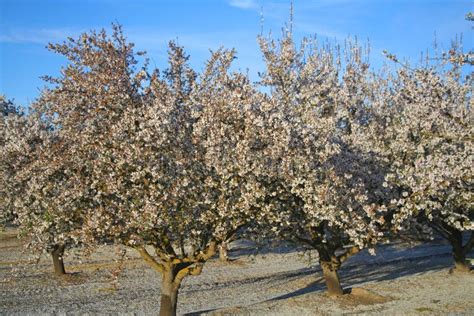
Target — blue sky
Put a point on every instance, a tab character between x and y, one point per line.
403	27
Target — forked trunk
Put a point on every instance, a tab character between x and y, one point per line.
169	294
223	252
58	261
173	271
332	278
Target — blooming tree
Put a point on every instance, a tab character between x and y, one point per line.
49	153
77	106
141	153
425	130
33	184
327	193
10	120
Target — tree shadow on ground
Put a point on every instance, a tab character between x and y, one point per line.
246	248
376	272
357	272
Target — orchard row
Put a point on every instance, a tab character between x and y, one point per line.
323	150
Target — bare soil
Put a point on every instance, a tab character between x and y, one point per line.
400	279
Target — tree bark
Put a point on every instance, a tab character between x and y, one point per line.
169	293
332	278
173	271
58	261
223	252
459	252
330	264
173	274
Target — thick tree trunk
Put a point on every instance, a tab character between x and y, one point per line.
332	278
223	252
169	294
459	253
58	261
330	264
173	271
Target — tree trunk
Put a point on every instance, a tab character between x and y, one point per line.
332	278
169	293
173	271
58	261
223	252
330	264
459	253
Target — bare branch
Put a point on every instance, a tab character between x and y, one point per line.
208	253
150	260
349	253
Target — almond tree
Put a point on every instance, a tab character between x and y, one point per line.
29	190
49	152
326	192
67	119
11	121
164	193
36	185
143	177
425	130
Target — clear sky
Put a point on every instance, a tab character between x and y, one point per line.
403	27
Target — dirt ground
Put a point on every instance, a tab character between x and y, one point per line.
400	279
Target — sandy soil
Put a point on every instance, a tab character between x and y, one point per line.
398	280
